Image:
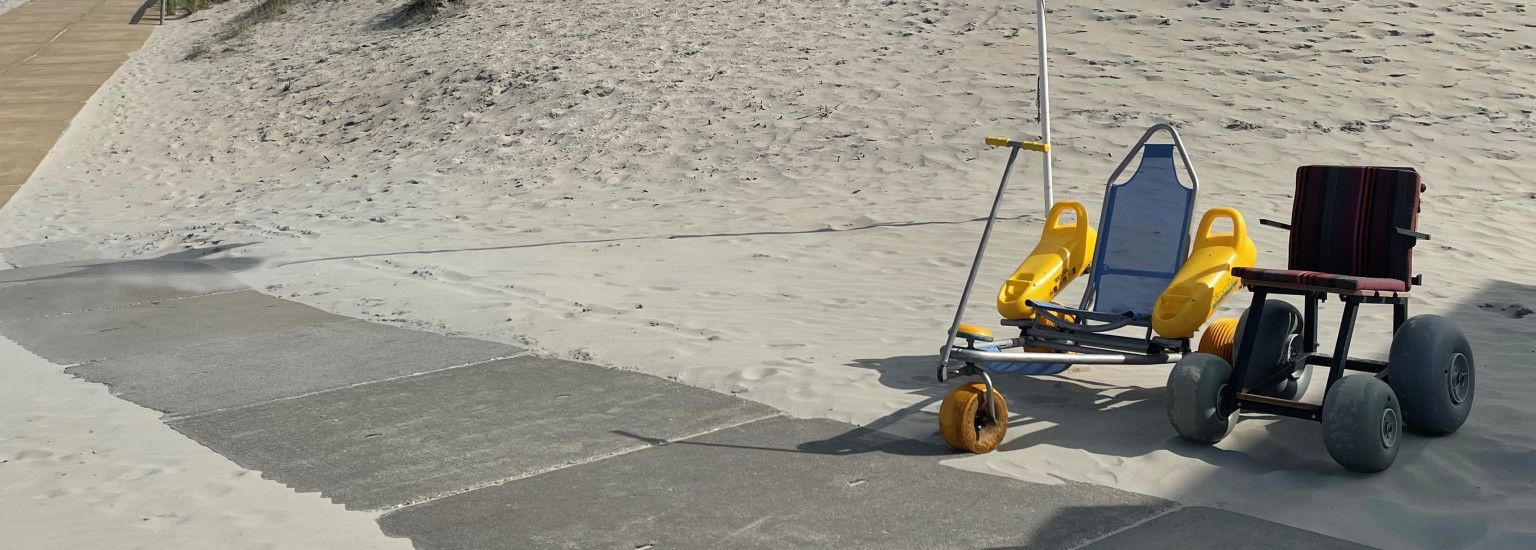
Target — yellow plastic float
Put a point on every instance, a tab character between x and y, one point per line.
1131	289
1063	254
1206	277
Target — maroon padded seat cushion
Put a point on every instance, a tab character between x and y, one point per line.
1319	280
1344	222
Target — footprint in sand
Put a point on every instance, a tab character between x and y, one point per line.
753	374
32	454
1513	311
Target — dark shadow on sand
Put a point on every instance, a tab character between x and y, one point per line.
186	262
852	442
1109	420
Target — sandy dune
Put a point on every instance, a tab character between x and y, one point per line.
777	199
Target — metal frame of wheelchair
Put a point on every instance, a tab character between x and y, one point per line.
1073	336
1426	385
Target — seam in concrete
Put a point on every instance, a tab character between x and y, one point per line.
177	418
121	306
1143	521
589	460
55	37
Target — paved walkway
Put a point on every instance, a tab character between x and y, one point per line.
470	444
53	56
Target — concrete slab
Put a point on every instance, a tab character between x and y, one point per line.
777	483
117	31
158	327
118	22
14	177
19	135
13	180
21	156
119	44
378	445
187	379
55	20
12	53
71	59
38	111
84	78
19	34
45	45
82	74
83	286
19	79
57	253
1202	528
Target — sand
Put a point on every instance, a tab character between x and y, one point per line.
778	200
82	469
8	5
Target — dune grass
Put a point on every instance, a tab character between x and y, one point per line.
416	12
413	12
262	12
259	13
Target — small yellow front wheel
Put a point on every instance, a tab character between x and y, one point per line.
966	424
1219	337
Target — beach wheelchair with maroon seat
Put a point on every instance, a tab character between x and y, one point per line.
1352	233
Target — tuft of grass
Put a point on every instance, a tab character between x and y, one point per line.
187	7
198	50
416	12
259	13
240	24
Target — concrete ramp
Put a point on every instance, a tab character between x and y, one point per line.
465	443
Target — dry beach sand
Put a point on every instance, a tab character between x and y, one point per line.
8	5
82	469
778	200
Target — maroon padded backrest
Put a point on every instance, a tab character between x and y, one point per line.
1344	220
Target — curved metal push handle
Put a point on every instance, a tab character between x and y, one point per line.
1178	144
1014	146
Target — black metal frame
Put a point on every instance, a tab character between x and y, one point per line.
1235	398
1051	329
1053	326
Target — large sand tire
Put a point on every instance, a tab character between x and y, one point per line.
965	423
1218	338
1279	340
1194	398
1430	368
1362	423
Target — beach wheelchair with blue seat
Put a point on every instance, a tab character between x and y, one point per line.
1151	285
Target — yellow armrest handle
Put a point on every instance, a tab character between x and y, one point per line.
1030	145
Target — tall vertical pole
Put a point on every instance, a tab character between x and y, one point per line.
1044	89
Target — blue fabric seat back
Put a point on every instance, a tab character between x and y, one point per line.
1143	235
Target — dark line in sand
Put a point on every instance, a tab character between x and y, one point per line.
664	238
